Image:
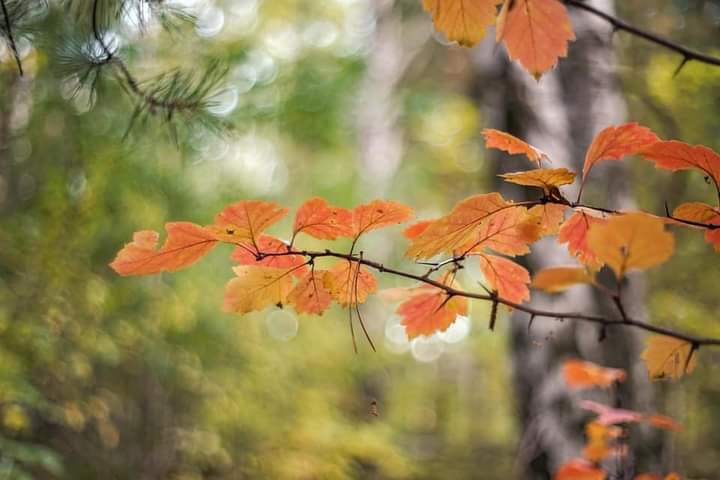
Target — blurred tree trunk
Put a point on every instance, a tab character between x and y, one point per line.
560	114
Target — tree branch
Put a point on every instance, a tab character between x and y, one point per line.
688	54
533	312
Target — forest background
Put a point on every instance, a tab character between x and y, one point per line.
106	377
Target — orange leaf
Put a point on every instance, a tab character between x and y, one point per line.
673	476
186	243
648	476
579	469
379	214
557	279
535	32
631	241
551	216
513	145
702	213
506	277
668	357
457	229
318	219
462	21
509	232
613	143
349	283
244	221
310	295
674	155
245	254
416	229
545	178
430	310
664	422
580	374
574	232
255	288
598	440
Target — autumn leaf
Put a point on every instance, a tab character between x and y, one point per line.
664	422
457	229
668	357
509	231
320	220
416	229
557	279
548	179
574	232
255	288
615	142
379	214
462	21
535	32
509	279
310	295
611	416
349	283
513	145
674	155
430	309
702	213
550	216
246	254
244	221
581	374
599	437
630	242
186	243
579	469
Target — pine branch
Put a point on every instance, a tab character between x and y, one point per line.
10	37
688	54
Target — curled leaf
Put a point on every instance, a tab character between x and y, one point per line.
581	374
615	142
702	213
513	145
674	155
548	179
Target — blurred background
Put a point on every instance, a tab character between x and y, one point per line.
146	378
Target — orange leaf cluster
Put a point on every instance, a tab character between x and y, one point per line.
535	32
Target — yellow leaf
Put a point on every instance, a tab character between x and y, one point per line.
462	21
557	279
513	145
631	241
545	178
668	357
255	288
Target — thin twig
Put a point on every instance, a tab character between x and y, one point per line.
688	54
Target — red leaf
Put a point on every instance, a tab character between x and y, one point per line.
574	232
535	32
245	254
674	155
508	278
185	244
379	214
613	143
579	469
320	220
244	221
430	310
